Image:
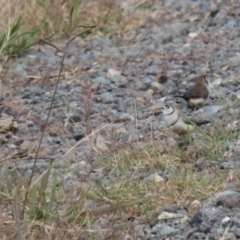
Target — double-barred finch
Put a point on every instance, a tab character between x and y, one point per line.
174	121
198	93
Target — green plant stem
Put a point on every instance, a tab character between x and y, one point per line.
44	129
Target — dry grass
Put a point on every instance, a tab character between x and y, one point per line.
125	192
129	190
55	16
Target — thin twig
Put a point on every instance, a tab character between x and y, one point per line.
50	44
46	122
85	31
16	215
44	129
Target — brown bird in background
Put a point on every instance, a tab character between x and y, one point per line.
198	93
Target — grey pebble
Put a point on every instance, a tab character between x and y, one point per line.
107	97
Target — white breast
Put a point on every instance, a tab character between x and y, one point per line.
176	124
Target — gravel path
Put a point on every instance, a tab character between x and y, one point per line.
101	85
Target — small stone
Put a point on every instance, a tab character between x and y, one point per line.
220	231
124	117
167	230
8	124
213	109
23	128
228	199
72	117
131	136
218	81
184	219
226	221
73	105
162	79
158	86
3	139
102	80
12	146
112	72
100	144
149	93
27	146
200	163
28	173
177	40
230	24
195	205
234	61
53	132
43	117
199	235
167	215
229	236
120	81
184	32
107	97
193	35
97	174
156	178
237	231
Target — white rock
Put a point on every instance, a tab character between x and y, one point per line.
217	81
113	72
195	205
156	178
167	215
148	93
157	85
193	35
226	220
184	219
234	61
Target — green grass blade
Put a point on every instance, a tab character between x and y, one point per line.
33	207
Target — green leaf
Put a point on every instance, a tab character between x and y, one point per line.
74	14
53	193
33	208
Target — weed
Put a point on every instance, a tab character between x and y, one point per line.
13	41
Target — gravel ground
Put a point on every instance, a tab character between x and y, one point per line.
102	81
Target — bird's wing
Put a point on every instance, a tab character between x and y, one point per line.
196	93
191	94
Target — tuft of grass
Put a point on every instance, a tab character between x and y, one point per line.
126	189
62	17
13	41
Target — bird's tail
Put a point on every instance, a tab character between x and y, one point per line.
198	123
179	96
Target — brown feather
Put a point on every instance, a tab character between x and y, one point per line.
199	90
196	94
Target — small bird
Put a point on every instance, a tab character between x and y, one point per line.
174	121
198	93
